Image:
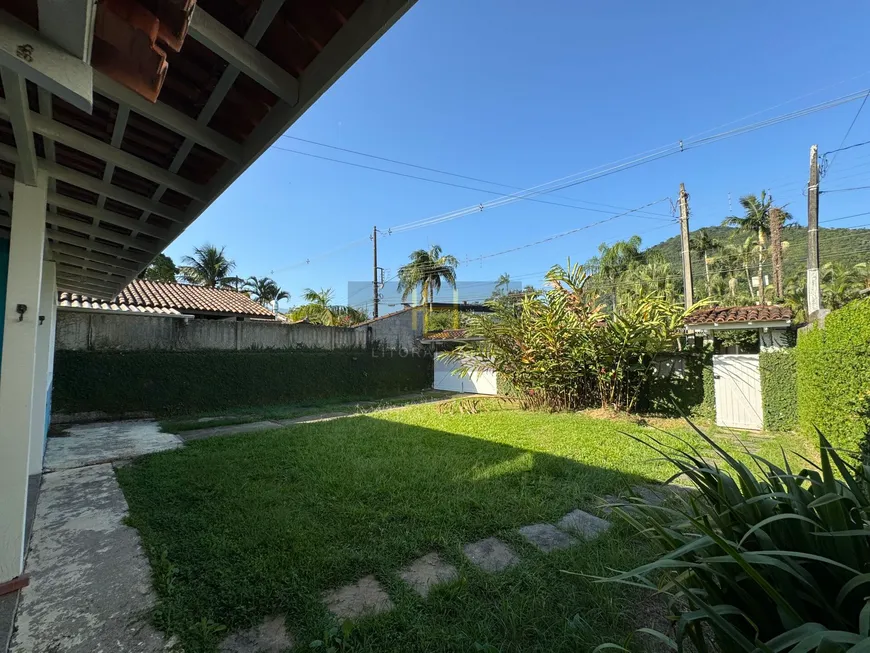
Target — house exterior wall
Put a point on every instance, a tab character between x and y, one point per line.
91	331
396	332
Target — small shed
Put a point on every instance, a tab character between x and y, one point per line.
736	371
446	378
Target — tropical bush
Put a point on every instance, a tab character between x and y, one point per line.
765	560
561	349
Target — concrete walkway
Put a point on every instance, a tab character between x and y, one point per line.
90	583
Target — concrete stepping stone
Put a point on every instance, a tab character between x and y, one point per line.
547	537
426	572
654	497
268	637
365	598
583	524
490	554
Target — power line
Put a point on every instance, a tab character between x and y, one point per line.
443	183
583	177
573	180
848	131
844	190
440	172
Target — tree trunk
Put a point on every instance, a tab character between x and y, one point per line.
776	249
749	279
761	267
707	272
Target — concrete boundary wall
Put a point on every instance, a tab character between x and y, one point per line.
84	331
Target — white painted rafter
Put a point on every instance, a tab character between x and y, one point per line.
168	117
70	24
93	185
18	112
30	54
75	139
243	56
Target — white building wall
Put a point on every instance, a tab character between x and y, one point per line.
26	245
44	366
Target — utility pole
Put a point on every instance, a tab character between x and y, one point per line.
688	290
814	291
375	286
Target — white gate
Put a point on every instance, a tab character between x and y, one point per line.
483	383
737	384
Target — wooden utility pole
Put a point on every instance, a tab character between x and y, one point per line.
375	287
688	290
814	290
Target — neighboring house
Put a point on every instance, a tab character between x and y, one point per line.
736	372
110	148
404	329
172	299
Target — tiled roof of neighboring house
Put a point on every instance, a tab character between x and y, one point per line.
71	300
732	314
383	317
445	334
140	296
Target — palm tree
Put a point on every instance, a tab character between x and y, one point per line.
613	260
741	257
756	220
705	244
321	310
265	290
840	284
779	217
502	285
208	267
795	295
427	270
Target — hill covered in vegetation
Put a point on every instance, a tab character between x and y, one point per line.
845	246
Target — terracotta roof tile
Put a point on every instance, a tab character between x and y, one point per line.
723	314
445	334
157	297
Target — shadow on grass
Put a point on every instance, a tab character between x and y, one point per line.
244	527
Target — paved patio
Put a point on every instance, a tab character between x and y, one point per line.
90	583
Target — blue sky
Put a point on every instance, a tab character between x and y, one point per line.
522	93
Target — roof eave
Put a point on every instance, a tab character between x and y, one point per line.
752	324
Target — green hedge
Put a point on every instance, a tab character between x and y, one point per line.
690	395
779	389
172	383
833	376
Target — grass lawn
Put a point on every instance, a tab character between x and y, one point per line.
244	527
244	415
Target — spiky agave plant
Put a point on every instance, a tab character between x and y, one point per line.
768	560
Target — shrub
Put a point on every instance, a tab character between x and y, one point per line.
833	376
561	350
167	383
779	389
772	563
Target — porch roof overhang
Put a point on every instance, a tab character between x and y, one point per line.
727	326
127	174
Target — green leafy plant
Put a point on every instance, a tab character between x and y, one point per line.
562	350
765	559
335	640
